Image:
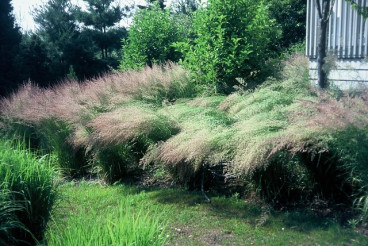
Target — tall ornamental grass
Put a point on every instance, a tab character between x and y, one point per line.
204	140
82	123
29	181
285	140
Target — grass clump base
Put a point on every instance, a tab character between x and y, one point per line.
28	193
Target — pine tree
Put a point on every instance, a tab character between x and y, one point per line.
33	60
67	44
57	29
10	38
101	18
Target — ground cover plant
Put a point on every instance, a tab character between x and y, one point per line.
27	192
284	141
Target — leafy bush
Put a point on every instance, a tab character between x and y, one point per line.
231	41
31	182
150	39
291	16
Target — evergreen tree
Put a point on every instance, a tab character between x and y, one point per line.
291	16
10	38
68	47
57	28
101	18
33	60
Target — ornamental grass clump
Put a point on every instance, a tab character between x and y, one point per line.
121	137
203	140
76	121
285	140
32	191
333	146
293	144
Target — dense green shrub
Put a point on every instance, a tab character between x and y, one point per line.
30	180
291	16
150	39
231	40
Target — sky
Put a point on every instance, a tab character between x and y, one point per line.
22	10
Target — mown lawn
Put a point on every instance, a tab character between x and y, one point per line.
182	217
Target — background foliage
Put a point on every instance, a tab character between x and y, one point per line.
231	40
9	45
150	40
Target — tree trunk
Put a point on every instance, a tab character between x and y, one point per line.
322	75
324	15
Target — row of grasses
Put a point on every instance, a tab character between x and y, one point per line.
284	140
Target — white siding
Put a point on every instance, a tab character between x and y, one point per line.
349	74
347	33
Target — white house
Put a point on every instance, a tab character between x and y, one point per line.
347	44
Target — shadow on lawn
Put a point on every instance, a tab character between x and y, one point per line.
253	214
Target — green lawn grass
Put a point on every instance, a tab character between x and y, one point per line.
90	213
